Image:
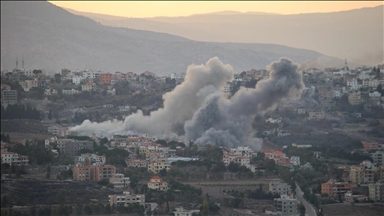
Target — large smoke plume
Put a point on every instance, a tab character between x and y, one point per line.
209	117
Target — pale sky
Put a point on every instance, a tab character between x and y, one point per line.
141	9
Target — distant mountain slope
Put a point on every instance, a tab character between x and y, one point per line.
356	34
51	38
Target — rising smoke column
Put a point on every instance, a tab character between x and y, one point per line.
179	105
227	122
207	116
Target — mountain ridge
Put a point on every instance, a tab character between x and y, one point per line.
51	38
341	34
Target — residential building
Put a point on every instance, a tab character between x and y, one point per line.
365	173
88	87
105	78
301	146
279	187
180	211
70	91
58	130
354	98
286	206
136	163
157	183
118	180
93	172
368	145
317	154
316	115
126	198
8	96
277	156
350	198
376	191
12	158
93	159
378	158
295	160
243	151
77	80
71	148
158	165
335	189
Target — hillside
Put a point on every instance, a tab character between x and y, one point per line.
51	38
356	34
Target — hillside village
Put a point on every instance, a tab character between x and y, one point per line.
326	148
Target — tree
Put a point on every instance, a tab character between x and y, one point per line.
233	167
49	115
205	207
163	172
57	78
87	162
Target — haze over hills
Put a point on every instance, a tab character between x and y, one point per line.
355	34
51	38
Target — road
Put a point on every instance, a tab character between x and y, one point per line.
310	210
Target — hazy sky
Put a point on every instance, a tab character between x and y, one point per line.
185	8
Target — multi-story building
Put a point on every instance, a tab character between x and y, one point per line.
378	158
158	165
241	160
8	96
118	180
157	183
317	115
376	192
136	163
12	158
365	173
295	160
242	151
93	159
183	212
88	87
77	80
93	172
71	147
277	156
70	91
354	98
285	206
58	130
350	198
126	198
279	187
105	78
335	189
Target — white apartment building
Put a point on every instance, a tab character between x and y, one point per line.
126	198
279	187
353	84
93	159
273	121
180	211
244	151
77	80
70	91
118	180
12	158
295	160
368	83
286	206
227	89
378	158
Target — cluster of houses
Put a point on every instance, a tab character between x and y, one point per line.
12	158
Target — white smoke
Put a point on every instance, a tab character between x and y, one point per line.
206	115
